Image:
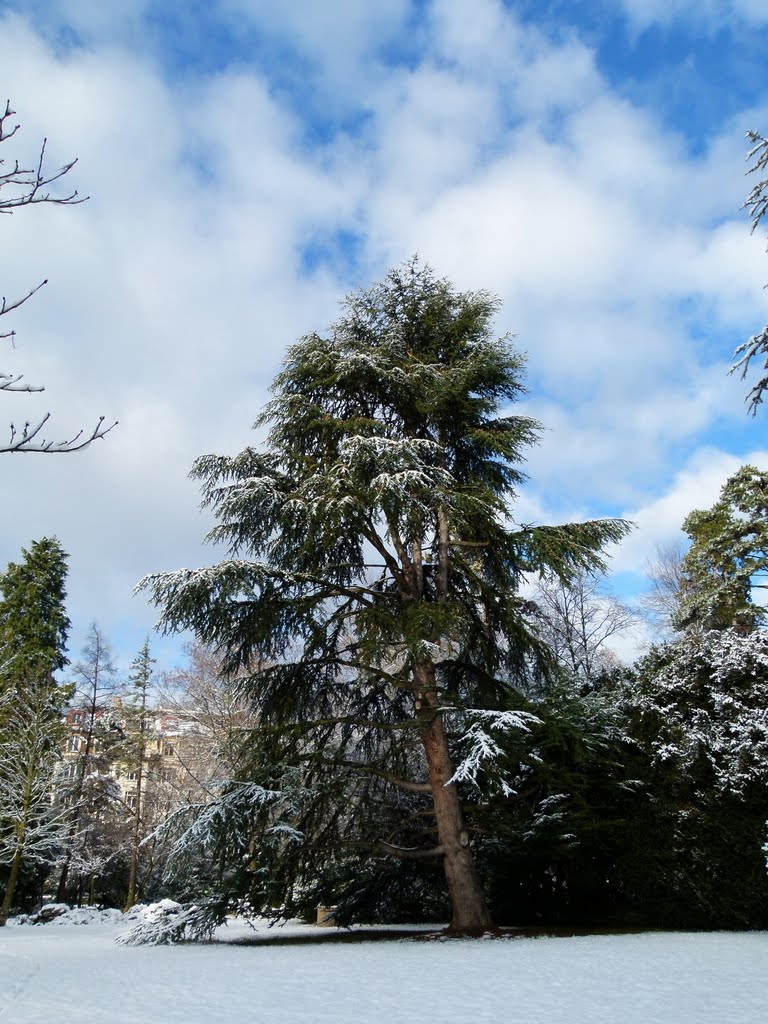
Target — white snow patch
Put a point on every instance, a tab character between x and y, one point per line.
653	978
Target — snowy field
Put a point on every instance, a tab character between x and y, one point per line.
77	973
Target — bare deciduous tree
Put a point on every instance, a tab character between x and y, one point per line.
663	602
22	186
578	621
215	714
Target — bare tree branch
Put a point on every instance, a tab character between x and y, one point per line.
579	620
27	187
26	439
663	601
32	181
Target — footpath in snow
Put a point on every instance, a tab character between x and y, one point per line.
78	972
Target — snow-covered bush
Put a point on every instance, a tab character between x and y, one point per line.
63	914
699	709
166	922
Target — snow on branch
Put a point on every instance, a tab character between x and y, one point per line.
167	922
237	802
25	186
29	439
757	205
485	751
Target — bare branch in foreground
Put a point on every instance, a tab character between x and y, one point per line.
28	438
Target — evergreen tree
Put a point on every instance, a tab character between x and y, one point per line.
698	708
138	728
31	832
563	844
85	788
33	635
728	557
372	593
33	622
757	204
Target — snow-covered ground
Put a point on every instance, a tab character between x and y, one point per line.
78	973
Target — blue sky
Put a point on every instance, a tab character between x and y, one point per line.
249	163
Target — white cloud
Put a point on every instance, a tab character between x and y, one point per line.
696	485
499	155
712	14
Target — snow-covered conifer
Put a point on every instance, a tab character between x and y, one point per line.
31	831
374	571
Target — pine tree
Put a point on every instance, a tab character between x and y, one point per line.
86	789
756	203
728	557
138	728
372	592
33	636
33	622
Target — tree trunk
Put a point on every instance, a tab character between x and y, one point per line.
10	888
131	898
470	912
61	891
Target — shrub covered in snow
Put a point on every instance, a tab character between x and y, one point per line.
62	914
165	922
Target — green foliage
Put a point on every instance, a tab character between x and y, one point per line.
697	708
374	567
560	847
136	753
33	622
728	556
33	635
375	433
756	203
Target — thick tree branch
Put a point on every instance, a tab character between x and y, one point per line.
369	769
411	852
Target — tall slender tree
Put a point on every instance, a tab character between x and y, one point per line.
87	793
372	592
138	728
33	635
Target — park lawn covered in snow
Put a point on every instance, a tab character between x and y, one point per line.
50	972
